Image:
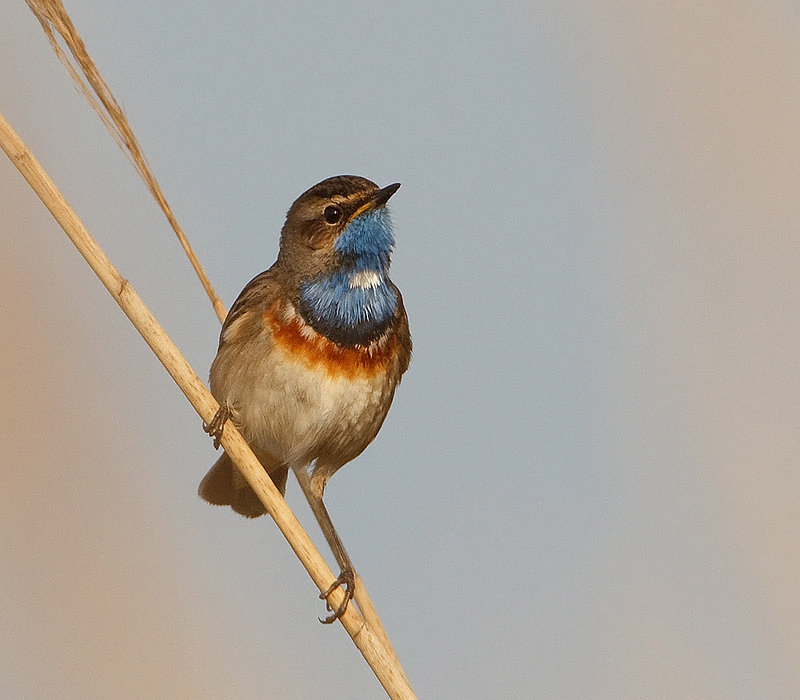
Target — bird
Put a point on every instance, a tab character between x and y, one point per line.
311	352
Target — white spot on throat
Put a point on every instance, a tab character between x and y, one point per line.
364	279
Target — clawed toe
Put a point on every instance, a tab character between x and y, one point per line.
345	580
217	425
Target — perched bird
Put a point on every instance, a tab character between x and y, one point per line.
312	351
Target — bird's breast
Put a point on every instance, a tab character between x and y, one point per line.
351	307
299	396
300	342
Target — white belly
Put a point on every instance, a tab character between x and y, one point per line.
301	413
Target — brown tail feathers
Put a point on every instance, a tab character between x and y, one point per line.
225	486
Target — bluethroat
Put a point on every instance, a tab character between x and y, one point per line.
311	353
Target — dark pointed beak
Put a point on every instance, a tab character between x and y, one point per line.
377	199
382	195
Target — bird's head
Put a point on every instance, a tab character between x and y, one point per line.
335	251
339	222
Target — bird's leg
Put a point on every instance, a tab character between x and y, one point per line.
217	424
346	578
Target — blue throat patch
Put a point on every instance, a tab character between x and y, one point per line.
354	304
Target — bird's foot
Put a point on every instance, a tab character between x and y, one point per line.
217	424
347	581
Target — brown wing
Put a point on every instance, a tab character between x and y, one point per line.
259	294
400	323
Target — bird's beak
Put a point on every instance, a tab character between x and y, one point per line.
377	199
382	196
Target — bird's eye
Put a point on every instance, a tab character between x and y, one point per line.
332	214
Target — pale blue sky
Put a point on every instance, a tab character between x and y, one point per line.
587	486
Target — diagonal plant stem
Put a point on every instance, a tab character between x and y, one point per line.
378	655
54	19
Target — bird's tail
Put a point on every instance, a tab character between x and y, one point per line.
225	486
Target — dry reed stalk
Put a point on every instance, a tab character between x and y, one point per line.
378	655
54	18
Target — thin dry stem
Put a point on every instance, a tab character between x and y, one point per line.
373	647
54	18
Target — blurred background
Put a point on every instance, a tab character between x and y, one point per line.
587	486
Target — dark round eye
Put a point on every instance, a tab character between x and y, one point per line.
332	214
